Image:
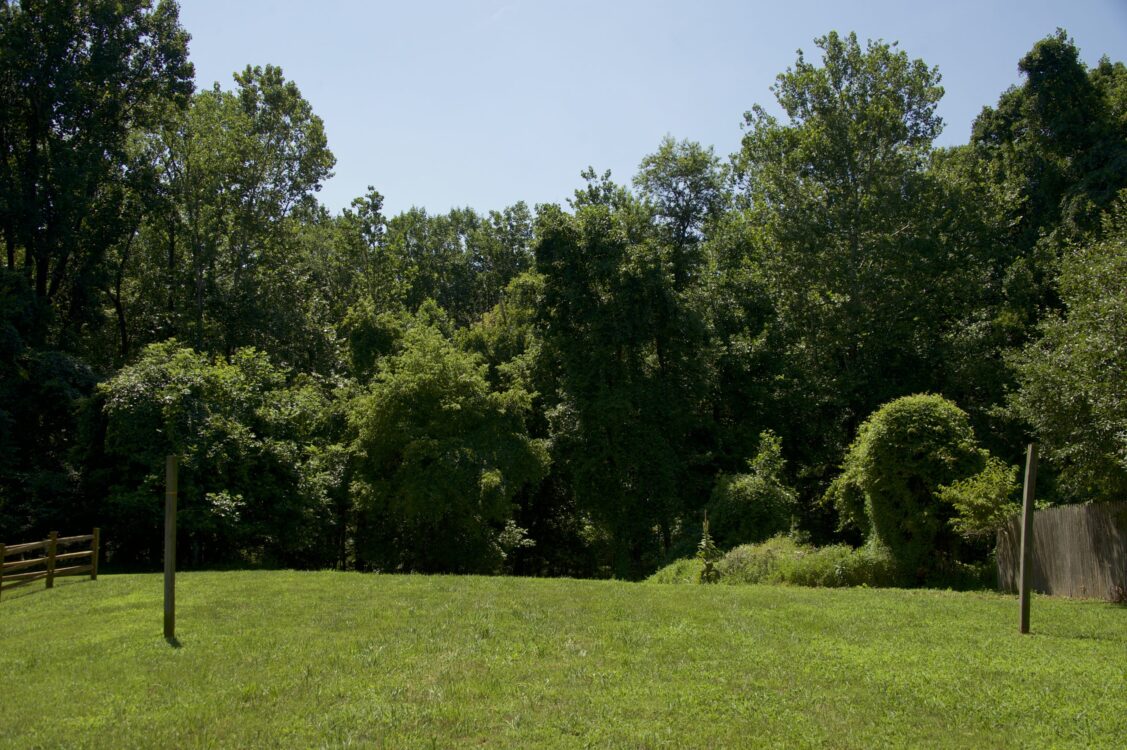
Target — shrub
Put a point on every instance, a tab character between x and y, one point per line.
759	563
781	560
839	565
685	570
902	455
984	502
753	507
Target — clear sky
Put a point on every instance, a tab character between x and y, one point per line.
483	103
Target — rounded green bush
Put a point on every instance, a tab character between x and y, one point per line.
903	454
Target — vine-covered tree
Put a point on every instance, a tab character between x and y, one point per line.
439	459
630	352
262	477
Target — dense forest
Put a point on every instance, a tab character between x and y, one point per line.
550	390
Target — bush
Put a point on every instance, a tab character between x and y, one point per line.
781	560
903	454
685	570
839	565
984	502
753	507
759	563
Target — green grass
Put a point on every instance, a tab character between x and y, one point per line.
284	659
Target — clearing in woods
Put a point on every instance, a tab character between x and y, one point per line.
288	659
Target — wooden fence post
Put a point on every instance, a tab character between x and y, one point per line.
1026	579
94	555
170	481
51	558
2	551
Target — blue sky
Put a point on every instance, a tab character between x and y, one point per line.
483	103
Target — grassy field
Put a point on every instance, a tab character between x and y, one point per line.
284	659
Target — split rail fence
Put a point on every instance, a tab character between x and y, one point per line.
46	567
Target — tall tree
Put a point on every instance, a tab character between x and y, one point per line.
856	268
1059	141
241	170
76	77
686	184
1072	385
1056	147
439	458
629	349
461	260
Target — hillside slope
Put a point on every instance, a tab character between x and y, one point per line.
286	659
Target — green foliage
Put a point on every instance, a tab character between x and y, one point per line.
630	358
984	502
902	455
708	554
411	375
782	560
1071	379
260	479
371	336
461	260
439	458
754	506
686	185
862	251
1058	140
42	477
77	79
211	264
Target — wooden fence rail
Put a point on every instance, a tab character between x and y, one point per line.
1078	550
82	561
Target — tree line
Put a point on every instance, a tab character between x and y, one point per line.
555	390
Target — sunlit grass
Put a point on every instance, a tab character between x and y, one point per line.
269	659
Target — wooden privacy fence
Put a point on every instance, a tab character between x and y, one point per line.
1078	550
47	567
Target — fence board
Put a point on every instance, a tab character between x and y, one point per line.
73	570
34	575
17	584
27	547
21	564
50	560
74	539
74	555
1078	551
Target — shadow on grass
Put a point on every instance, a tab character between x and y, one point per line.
31	589
174	642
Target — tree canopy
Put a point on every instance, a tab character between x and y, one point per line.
839	311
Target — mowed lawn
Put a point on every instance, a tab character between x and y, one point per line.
288	659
